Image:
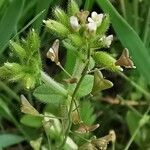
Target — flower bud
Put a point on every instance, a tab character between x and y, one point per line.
18	50
104	25
29	81
73	8
61	16
74	23
57	27
76	40
11	71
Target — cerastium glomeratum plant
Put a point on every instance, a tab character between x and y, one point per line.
83	34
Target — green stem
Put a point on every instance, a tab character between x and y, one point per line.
48	140
135	85
113	145
9	91
138	128
51	82
73	97
63	69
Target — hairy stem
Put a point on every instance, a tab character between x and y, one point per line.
73	97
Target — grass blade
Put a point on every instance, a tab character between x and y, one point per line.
40	7
147	29
29	23
129	39
9	139
9	22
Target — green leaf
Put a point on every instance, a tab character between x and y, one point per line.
129	39
46	94
87	112
31	121
41	7
9	139
9	22
86	86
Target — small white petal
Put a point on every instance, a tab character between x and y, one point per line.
92	26
97	18
100	19
90	19
74	22
110	37
106	40
94	14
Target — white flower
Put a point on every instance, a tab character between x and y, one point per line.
91	26
107	40
74	22
97	18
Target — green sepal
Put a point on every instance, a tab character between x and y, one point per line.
57	27
61	16
10	71
18	50
32	42
73	8
76	40
104	25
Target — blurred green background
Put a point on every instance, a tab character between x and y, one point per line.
130	23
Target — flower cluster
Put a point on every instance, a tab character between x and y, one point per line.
79	27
